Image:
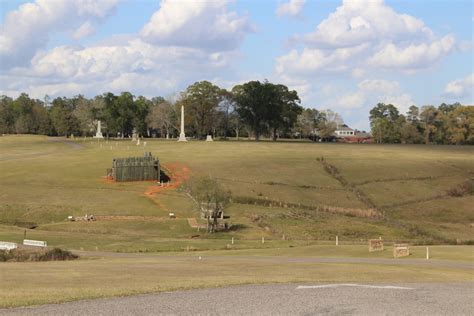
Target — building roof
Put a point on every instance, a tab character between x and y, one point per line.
344	128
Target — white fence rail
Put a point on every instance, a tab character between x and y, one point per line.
4	245
35	243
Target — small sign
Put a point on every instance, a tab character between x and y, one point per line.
400	250
35	243
7	245
375	245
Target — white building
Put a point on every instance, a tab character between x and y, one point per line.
344	131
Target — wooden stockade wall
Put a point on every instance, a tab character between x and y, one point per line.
135	168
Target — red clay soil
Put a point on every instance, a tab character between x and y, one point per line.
177	172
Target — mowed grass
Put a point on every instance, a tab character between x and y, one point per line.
44	180
31	283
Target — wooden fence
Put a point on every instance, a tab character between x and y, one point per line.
135	168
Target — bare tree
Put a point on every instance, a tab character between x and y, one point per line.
211	197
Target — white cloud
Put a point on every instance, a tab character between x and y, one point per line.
357	22
379	85
291	8
204	24
28	29
364	36
134	63
370	92
86	29
351	101
460	88
313	60
413	56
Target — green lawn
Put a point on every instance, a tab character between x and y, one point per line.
44	180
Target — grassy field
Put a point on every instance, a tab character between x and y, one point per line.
30	283
307	192
282	188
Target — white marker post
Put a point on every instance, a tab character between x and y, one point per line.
232	240
427	253
263	240
337	240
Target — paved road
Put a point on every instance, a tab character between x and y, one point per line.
304	299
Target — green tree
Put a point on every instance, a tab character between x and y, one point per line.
432	120
85	114
253	100
141	109
62	117
264	106
7	117
201	101
284	108
386	123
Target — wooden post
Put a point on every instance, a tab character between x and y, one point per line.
427	253
263	240
337	240
232	240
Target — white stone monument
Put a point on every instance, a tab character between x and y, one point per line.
182	136
98	134
209	138
134	135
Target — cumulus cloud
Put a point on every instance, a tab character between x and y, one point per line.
371	35
205	24
357	22
460	88
28	29
312	60
372	91
413	56
292	8
147	63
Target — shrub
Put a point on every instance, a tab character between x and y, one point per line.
20	255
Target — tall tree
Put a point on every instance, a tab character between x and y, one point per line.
283	108
84	113
460	125
252	104
7	117
141	109
386	123
265	105
201	101
62	117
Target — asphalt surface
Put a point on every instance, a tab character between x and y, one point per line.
297	299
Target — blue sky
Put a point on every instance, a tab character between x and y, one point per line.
342	55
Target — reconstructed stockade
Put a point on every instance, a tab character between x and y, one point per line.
135	168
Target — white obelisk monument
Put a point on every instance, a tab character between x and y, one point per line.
98	134
182	136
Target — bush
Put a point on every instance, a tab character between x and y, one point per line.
21	255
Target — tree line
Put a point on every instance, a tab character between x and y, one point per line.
253	109
445	124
